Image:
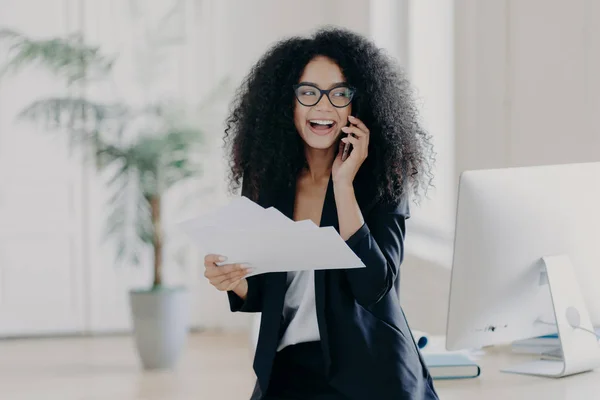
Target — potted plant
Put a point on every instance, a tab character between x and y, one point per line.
146	150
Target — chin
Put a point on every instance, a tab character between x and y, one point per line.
320	142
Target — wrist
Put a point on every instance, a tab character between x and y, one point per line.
241	290
343	185
343	193
349	213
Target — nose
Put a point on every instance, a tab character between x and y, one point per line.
324	104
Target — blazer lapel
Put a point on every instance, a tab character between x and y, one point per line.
329	214
328	218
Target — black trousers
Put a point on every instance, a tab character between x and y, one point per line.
299	373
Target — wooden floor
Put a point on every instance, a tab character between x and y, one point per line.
219	366
213	366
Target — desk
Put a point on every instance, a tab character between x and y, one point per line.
495	385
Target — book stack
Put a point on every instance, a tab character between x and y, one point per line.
451	366
443	364
547	347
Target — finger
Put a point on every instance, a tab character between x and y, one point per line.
341	149
359	124
354	130
350	139
219	270
224	270
214	258
360	146
233	284
219	280
229	283
223	286
227	268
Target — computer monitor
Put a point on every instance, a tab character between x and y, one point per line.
511	224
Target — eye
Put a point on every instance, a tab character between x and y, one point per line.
307	91
341	92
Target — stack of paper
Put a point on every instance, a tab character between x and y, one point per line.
267	240
548	346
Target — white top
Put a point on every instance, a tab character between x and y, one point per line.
299	310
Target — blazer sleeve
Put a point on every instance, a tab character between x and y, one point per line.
379	243
253	301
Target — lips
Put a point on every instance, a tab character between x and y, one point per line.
322	127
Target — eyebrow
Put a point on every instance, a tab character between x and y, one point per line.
331	86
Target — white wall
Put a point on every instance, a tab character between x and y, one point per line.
243	30
431	72
420	35
527	82
41	204
527	92
500	83
389	28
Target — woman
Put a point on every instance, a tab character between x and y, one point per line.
330	334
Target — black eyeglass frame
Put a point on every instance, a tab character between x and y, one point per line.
324	92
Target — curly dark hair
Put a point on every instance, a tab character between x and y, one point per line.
267	152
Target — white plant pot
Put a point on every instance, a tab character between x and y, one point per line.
160	324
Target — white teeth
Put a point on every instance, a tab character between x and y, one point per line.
322	121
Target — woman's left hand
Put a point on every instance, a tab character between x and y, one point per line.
343	172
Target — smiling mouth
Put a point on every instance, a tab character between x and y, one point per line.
321	126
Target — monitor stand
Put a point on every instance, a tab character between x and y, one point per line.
580	349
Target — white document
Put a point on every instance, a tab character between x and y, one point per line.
269	241
240	212
272	217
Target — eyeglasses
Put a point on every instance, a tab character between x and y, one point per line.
339	96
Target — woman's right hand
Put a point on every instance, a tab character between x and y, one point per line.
226	277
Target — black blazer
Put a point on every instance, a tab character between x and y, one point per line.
368	347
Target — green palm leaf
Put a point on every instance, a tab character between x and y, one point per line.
67	57
81	117
178	164
132	231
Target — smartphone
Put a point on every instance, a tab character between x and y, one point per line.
348	146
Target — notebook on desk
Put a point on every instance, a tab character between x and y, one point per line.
451	366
